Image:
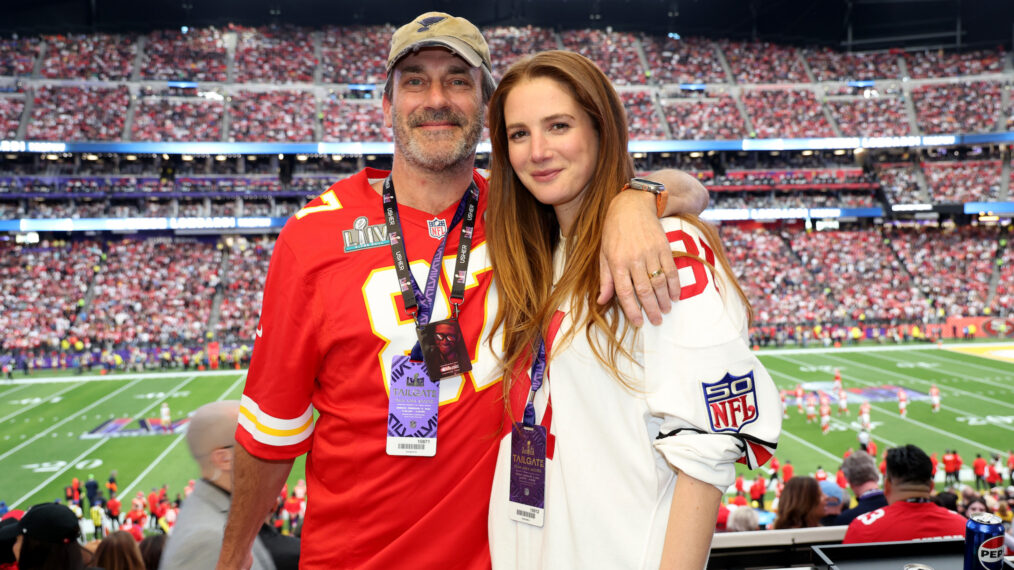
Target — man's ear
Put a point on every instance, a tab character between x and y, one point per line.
386	104
222	458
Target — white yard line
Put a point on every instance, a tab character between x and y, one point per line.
43	400
53	477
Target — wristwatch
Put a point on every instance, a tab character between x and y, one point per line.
656	188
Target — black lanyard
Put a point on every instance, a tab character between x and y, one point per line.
418	303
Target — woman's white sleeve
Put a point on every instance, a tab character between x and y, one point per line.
717	402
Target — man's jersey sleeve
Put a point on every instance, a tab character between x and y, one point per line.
276	414
717	402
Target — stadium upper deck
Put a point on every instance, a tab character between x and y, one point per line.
299	85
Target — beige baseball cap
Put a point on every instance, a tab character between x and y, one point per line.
443	30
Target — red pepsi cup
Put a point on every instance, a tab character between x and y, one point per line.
984	542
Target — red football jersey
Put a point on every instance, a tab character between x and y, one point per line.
332	319
905	521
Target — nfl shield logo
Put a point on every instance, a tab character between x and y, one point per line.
732	402
437	227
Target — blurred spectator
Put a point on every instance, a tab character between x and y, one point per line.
78	113
197	537
909	514
800	505
763	62
833	500
197	55
968	107
274	54
900	183
287	116
244	285
786	113
88	56
742	519
151	550
46	538
686	60
614	52
118	551
862	475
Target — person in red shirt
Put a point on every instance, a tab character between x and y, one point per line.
153	507
740	484
871	448
757	491
993	476
775	465
979	469
840	479
133	529
847	453
910	514
740	501
950	467
883	464
113	511
933	460
820	475
787	470
958	462
293	507
799	397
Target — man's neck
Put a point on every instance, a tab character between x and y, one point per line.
865	488
427	190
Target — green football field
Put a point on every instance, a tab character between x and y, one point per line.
57	428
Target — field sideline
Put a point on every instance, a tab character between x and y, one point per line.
50	424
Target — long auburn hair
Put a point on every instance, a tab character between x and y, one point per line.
524	232
798	505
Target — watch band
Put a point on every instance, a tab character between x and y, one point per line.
661	198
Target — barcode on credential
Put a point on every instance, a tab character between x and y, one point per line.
524	514
415	446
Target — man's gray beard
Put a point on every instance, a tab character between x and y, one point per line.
414	149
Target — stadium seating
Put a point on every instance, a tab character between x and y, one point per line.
10	116
76	113
939	64
190	119
272	116
355	54
951	267
274	54
346	120
614	52
900	183
88	56
970	107
829	65
198	55
687	60
511	43
861	274
710	119
40	286
763	62
786	113
642	119
873	117
242	291
152	292
17	56
966	181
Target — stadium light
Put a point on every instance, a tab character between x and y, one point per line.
220	158
131	157
301	157
186	158
674	36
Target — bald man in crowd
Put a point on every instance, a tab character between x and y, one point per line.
196	539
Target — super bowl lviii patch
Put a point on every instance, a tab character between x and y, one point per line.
732	402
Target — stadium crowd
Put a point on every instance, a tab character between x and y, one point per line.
197	55
786	113
687	60
697	120
965	181
354	54
274	54
970	107
177	119
88	56
873	117
272	116
614	52
10	116
76	113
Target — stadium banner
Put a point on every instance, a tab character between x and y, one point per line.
140	224
386	148
979	327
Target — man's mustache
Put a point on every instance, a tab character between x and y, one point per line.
436	116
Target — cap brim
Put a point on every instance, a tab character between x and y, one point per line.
458	47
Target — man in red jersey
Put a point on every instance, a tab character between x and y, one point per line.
352	276
979	469
910	513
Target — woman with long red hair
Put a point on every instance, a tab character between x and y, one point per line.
620	454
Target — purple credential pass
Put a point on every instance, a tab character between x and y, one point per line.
528	473
412	411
